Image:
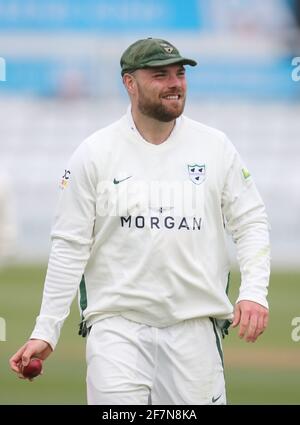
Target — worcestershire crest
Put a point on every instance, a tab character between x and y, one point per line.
169	49
197	173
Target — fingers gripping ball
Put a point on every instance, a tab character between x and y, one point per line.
33	369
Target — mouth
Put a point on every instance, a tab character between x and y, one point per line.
172	97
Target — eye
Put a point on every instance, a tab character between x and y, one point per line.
181	73
159	75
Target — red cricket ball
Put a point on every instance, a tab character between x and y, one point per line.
33	368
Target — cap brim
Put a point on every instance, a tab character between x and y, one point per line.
158	63
171	61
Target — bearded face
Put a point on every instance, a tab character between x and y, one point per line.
161	92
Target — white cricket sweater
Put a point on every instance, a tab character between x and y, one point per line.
145	224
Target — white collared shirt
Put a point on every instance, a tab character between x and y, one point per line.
126	221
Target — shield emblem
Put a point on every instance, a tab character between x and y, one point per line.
197	173
167	48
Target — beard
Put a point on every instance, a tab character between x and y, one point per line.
159	111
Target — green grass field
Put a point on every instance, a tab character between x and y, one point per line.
267	372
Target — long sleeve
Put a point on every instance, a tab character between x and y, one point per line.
247	222
72	238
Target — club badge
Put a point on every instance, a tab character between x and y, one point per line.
197	173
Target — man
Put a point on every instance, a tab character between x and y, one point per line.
141	223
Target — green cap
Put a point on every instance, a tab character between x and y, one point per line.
151	53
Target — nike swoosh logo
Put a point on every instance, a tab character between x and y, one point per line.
119	181
216	399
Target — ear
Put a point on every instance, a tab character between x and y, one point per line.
129	82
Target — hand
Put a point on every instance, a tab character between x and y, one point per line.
252	318
32	348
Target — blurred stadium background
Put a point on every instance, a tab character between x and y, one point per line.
61	81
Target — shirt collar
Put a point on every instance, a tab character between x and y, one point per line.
138	134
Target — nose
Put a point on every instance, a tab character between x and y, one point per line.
174	81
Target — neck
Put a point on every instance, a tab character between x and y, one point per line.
152	130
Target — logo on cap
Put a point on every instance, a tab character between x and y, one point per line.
167	48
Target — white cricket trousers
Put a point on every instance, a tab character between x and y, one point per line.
132	363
